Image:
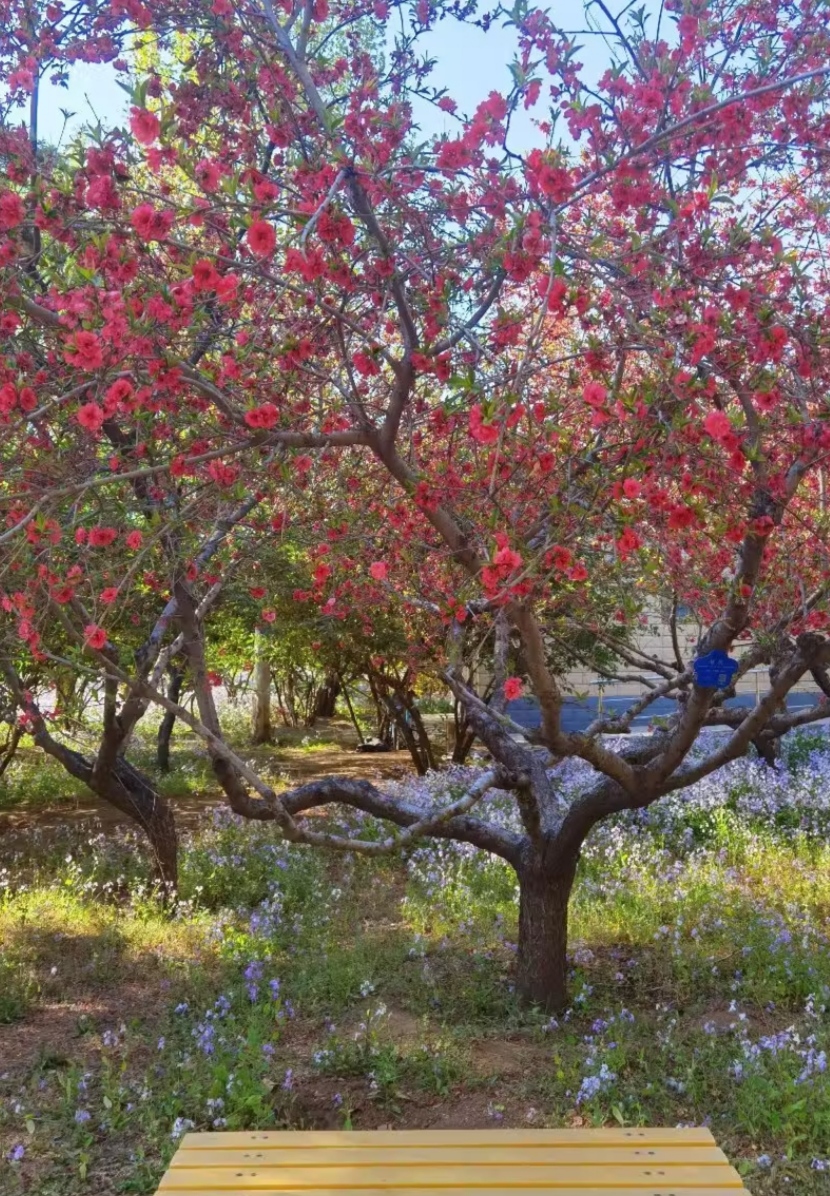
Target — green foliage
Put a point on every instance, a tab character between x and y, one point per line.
18	989
799	746
33	780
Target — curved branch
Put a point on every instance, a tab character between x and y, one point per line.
447	822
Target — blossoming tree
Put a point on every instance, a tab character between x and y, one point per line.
518	379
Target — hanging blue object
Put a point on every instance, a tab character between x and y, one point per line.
715	670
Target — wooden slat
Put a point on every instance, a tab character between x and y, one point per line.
450	1156
650	1190
295	1179
529	1138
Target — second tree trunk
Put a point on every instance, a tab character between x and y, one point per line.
542	965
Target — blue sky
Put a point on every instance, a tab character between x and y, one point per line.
469	63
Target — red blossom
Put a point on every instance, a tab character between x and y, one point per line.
484	433
560	557
102	537
205	275
145	126
207	175
717	424
262	238
84	351
150	223
12	211
90	416
594	394
265	416
628	542
95	636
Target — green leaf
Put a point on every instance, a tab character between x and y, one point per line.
518	74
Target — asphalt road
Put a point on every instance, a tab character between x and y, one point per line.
576	715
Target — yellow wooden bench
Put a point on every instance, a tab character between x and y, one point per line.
607	1162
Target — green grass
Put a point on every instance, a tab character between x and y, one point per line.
701	989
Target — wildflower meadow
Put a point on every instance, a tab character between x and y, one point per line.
293	988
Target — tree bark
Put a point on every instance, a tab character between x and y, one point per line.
165	731
464	735
123	786
290	703
261	730
352	715
325	703
426	753
111	777
767	747
9	748
132	793
542	969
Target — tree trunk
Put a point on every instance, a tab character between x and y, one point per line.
131	792
542	970
261	731
352	714
464	735
382	719
325	704
112	778
426	753
402	729
290	703
123	786
9	748
767	747
164	844
165	731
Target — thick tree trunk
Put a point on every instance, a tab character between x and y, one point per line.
542	970
131	792
123	786
261	730
325	702
164	844
165	731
